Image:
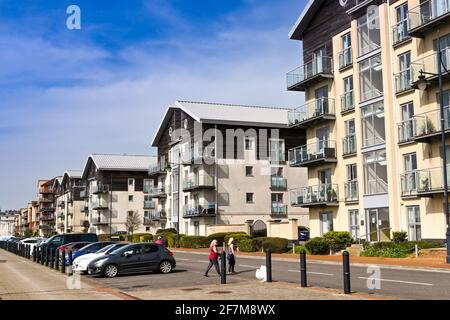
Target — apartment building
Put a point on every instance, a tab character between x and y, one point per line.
69	202
8	222
46	207
59	217
30	218
373	152
223	165
114	191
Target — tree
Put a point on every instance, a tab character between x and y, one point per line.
133	221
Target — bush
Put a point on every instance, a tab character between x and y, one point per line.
237	236
298	249
277	245
194	242
103	237
396	250
246	245
220	237
338	240
141	237
168	230
399	236
317	246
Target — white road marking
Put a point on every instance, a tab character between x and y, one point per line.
182	259
246	266
311	272
398	281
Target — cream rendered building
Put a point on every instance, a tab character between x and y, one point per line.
373	148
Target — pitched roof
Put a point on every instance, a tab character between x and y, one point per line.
304	19
220	113
121	162
74	173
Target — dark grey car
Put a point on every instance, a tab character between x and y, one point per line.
134	258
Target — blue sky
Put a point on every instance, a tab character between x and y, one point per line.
65	94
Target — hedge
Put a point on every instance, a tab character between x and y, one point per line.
338	240
316	246
141	237
396	250
246	245
194	242
237	236
168	230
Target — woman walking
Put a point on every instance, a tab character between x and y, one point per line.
213	258
231	255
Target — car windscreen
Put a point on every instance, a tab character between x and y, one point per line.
122	249
108	247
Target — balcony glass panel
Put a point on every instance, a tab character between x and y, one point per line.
351	191
313	68
313	151
428	11
423	181
429	64
201	208
279	209
347	101
400	32
311	110
349	145
324	193
403	81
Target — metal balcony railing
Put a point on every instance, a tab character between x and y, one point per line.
351	191
100	204
311	111
423	181
349	145
100	188
313	152
148	204
345	58
403	81
430	64
316	67
198	182
279	209
278	183
157	192
347	101
400	32
315	195
427	13
423	126
199	209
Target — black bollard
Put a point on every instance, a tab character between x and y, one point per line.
46	256
63	261
268	265
28	252
52	257
70	260
223	268
303	278
346	268
34	254
57	260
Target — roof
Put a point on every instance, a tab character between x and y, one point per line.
119	162
305	18
74	173
221	113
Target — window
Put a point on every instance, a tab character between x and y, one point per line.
130	198
276	171
351	186
277	198
403	79
326	222
401	29
375	172
373	128
352	172
249	143
415	227
186	227
345	57
369	31
249	171
371	78
353	216
197	228
347	99
249	197
411	174
131	182
130	214
407	128
276	150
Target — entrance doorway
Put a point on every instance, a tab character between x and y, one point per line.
378	226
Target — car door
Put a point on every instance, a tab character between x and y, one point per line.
133	261
151	256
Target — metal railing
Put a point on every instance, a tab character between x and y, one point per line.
100	188
278	183
148	204
403	80
155	191
279	209
430	64
100	220
310	69
423	181
427	11
323	193
400	32
406	130
311	110
347	101
313	151
345	58
161	167
351	191
424	124
198	181
99	204
349	145
202	208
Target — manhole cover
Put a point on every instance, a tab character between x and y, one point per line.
220	292
191	289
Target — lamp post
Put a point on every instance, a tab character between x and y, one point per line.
422	85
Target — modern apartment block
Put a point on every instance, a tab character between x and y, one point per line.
46	211
114	190
223	166
373	151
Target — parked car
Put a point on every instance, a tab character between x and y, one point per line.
32	242
303	233
73	246
89	248
133	258
81	263
62	239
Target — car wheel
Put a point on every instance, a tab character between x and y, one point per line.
165	267
111	271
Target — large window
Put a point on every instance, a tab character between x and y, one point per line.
371	78
375	172
415	228
369	31
326	222
372	117
353	216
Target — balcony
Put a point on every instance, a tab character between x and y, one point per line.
312	113
347	102
83	194
49	217
61	203
423	183
48	208
406	131
400	32
99	221
320	195
149	204
345	58
349	145
351	191
309	74
279	210
357	5
46	190
427	16
199	210
278	183
46	199
430	64
100	205
100	188
157	192
201	181
403	81
155	215
158	169
424	127
198	156
313	154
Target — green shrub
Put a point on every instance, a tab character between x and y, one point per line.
399	236
141	237
246	245
397	250
168	230
317	246
220	237
194	242
103	237
338	240
237	236
298	249
277	245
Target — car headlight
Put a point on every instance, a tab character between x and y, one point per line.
99	262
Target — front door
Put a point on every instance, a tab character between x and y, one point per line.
378	227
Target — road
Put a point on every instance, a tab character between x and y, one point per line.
395	282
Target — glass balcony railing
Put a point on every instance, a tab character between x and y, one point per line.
199	181
351	191
376	186
278	183
199	209
429	64
100	188
100	220
159	168
429	123
407	130
403	81
157	191
148	204
345	58
311	111
319	151
347	101
308	71
423	181
400	32
315	195
99	204
349	145
428	12
279	209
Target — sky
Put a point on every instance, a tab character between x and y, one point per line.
65	94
